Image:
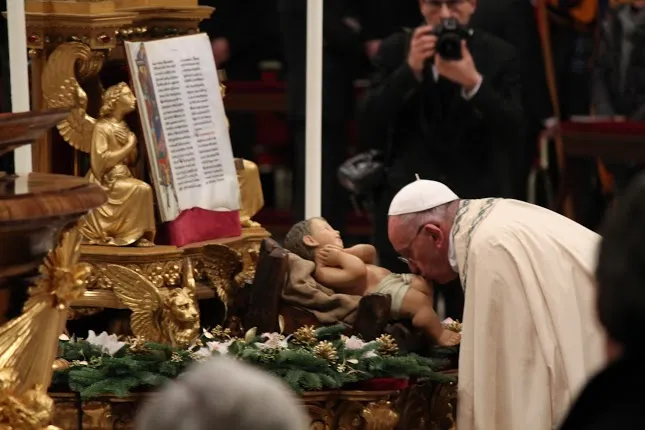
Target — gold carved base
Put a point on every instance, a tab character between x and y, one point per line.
219	269
427	406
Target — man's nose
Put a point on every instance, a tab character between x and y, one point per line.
445	11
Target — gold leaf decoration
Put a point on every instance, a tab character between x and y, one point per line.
281	323
250	335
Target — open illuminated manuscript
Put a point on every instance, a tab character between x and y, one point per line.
184	123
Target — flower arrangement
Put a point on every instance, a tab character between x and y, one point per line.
310	359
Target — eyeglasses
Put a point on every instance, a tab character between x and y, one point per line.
408	248
437	4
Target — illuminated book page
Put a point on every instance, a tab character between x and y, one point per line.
180	105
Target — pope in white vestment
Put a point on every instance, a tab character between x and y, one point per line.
530	337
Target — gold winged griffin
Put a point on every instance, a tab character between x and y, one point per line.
158	315
128	216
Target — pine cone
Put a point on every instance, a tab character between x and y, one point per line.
326	351
305	335
388	345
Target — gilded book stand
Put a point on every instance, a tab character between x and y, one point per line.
70	43
38	212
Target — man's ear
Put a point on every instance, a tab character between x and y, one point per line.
436	233
310	241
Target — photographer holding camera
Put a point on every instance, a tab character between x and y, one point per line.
444	103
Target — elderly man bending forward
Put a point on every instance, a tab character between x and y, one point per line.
530	338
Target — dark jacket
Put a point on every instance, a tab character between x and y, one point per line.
343	55
514	21
613	399
250	26
471	145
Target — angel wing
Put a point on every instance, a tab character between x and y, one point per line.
61	90
143	299
221	265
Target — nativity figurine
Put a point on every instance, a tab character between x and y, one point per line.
353	271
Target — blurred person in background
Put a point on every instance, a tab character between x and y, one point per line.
614	398
459	122
618	76
382	18
514	21
223	394
572	28
243	33
511	20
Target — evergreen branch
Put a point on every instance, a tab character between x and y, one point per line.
94	373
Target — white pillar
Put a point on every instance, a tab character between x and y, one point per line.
313	140
19	70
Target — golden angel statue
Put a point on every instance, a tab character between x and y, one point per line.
128	216
157	316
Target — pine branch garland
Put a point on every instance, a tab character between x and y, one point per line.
330	332
138	365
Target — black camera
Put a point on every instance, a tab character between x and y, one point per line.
449	34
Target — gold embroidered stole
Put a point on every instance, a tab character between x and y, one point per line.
468	218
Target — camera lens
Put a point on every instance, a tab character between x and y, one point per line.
449	46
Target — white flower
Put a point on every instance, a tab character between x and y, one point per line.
370	354
273	341
207	334
354	343
219	347
108	343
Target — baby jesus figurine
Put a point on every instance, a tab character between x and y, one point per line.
352	271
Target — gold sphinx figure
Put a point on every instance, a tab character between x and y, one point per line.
128	216
158	315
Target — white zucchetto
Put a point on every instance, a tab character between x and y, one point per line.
421	195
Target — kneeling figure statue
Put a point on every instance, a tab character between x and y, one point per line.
128	216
